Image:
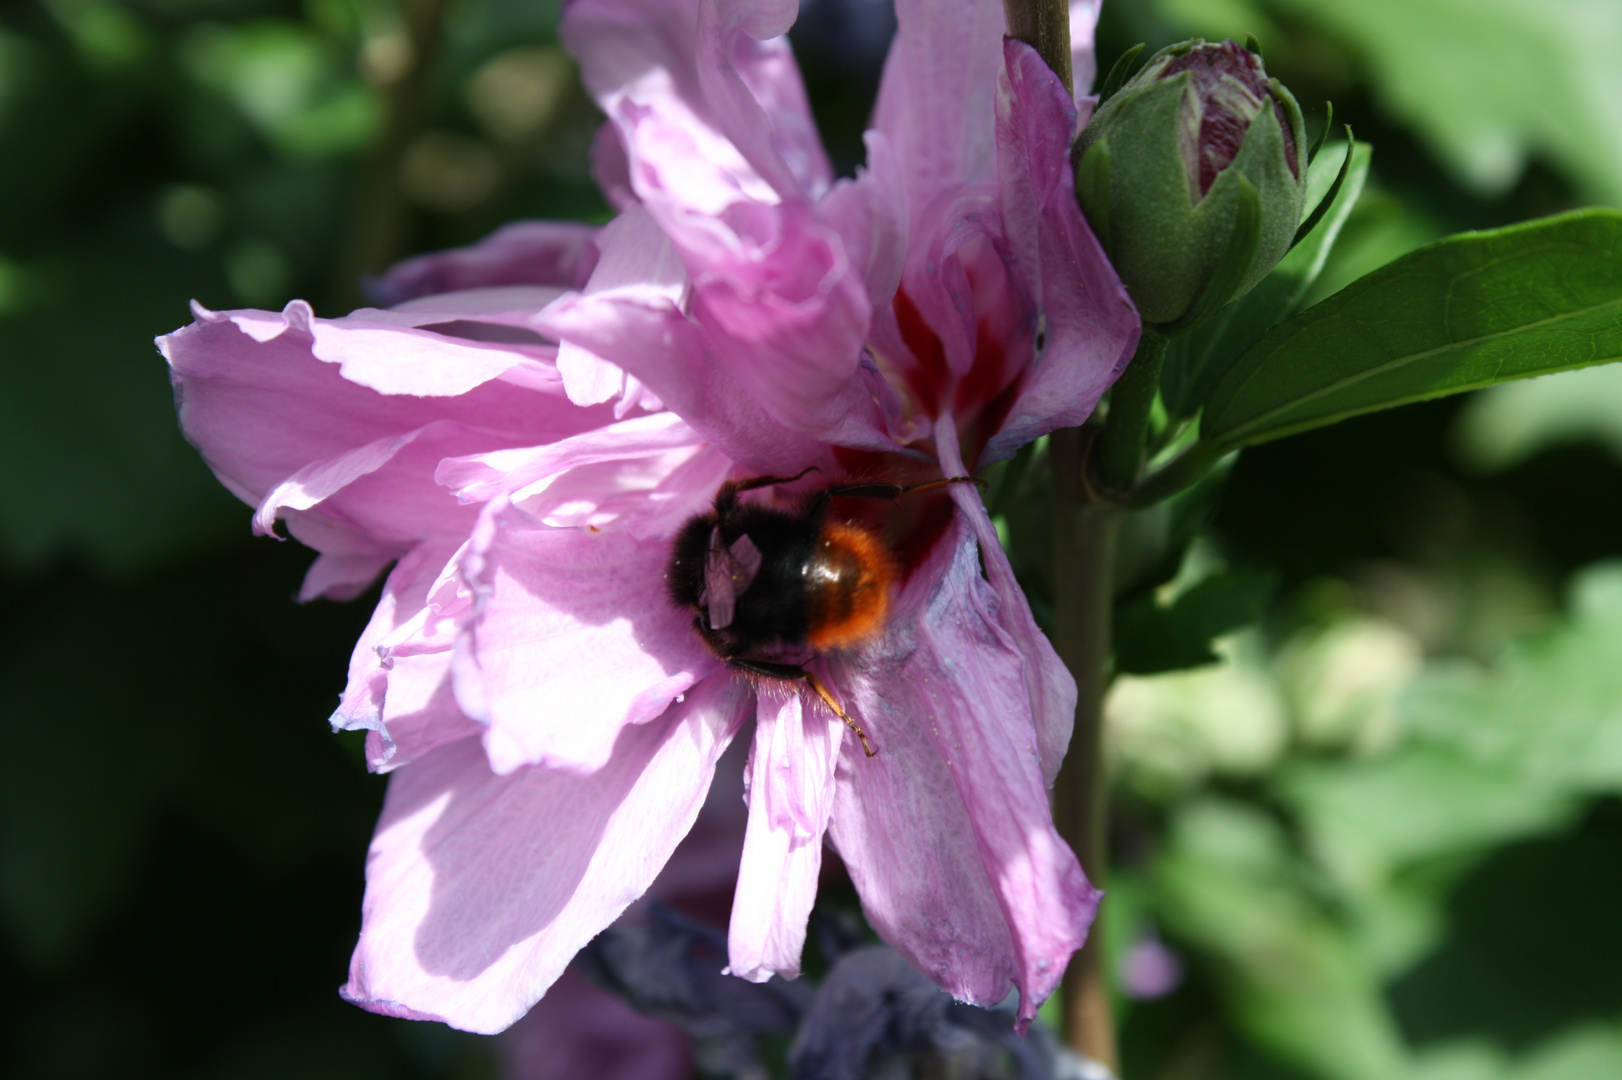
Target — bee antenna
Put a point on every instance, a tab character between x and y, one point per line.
829	700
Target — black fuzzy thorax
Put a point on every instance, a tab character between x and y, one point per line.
773	614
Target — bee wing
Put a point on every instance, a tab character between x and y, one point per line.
727	573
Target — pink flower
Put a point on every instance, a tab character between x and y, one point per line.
524	447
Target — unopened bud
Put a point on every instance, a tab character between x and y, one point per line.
1193	176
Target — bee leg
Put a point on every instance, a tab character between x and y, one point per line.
768	481
795	673
892	492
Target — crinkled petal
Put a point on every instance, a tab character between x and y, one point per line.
257	402
791	786
654	341
788	314
1003	902
637	264
573	638
480	887
385	490
720	82
724	156
1091	326
555	253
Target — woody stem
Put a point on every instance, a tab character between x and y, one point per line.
1084	532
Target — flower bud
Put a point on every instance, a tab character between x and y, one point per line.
1193	176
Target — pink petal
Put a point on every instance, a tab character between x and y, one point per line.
669	353
555	253
353	466
574	637
1091	326
791	788
870	216
935	100
399	675
1048	683
481	477
731	111
1003	902
341	576
724	156
480	888
788	313
637	264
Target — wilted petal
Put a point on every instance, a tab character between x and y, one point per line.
480	888
1091	326
1004	902
573	637
1049	684
555	253
791	783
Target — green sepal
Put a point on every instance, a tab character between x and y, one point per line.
1230	271
1318	143
1334	190
1196	362
1092	190
1119	72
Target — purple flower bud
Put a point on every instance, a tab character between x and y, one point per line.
1191	175
1228	88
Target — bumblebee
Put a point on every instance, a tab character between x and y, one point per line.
767	585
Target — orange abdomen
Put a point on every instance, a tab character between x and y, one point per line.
848	582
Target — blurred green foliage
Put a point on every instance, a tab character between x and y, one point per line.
1383	833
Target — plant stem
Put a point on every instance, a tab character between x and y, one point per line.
1045	26
1083	579
1121	444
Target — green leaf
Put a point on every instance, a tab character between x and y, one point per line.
1522	81
1552	713
1470	311
1293	978
1195	362
1151	638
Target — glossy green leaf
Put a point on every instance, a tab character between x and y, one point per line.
1194	363
1470	311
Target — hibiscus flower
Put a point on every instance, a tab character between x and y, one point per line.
524	431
